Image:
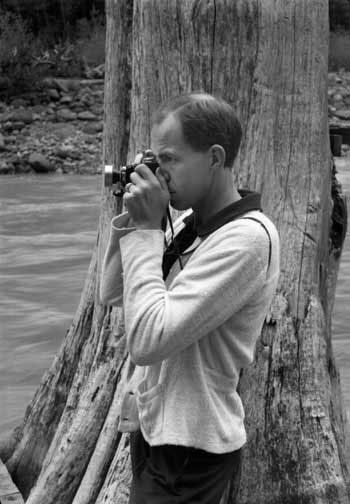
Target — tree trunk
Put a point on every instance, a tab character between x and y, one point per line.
269	59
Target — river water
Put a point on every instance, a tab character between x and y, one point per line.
48	227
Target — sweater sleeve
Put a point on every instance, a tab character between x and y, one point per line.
225	271
111	284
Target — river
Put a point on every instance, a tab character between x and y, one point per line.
48	228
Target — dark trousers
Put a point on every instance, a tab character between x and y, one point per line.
171	474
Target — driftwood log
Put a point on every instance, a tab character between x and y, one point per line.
269	58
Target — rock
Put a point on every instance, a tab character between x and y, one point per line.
19	102
66	99
40	163
87	116
39	109
10	139
18	125
67	85
61	84
65	151
97	110
337	97
8	126
53	94
4	117
343	114
339	105
48	82
22	116
2	141
66	115
62	130
86	99
6	168
92	128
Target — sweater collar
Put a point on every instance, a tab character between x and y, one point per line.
249	201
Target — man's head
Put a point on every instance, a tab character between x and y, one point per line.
194	138
205	121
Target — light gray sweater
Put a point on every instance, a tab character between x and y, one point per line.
190	335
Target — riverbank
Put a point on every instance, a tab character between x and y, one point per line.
60	129
57	130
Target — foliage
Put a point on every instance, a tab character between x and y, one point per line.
339	50
74	45
17	46
26	57
61	60
91	38
83	48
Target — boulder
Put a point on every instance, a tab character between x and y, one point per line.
6	168
40	163
67	85
53	94
19	102
4	117
22	116
67	99
66	114
343	114
65	151
87	116
93	128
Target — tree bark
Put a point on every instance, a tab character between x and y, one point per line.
269	58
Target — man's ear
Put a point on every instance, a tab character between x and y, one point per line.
218	156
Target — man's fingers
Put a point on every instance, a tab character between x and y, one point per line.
145	172
137	179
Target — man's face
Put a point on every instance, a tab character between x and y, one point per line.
186	171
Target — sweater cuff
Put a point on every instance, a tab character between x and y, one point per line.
120	225
141	240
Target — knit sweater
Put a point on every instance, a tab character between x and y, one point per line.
191	334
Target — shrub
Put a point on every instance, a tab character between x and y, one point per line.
73	56
90	39
17	47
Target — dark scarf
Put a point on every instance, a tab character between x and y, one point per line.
249	201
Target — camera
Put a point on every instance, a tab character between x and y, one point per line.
121	175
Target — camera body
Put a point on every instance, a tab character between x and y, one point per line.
121	175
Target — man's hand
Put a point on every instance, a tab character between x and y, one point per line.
146	198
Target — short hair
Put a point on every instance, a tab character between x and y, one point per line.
206	120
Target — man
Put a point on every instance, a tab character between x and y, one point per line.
193	309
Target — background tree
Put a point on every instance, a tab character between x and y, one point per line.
269	59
